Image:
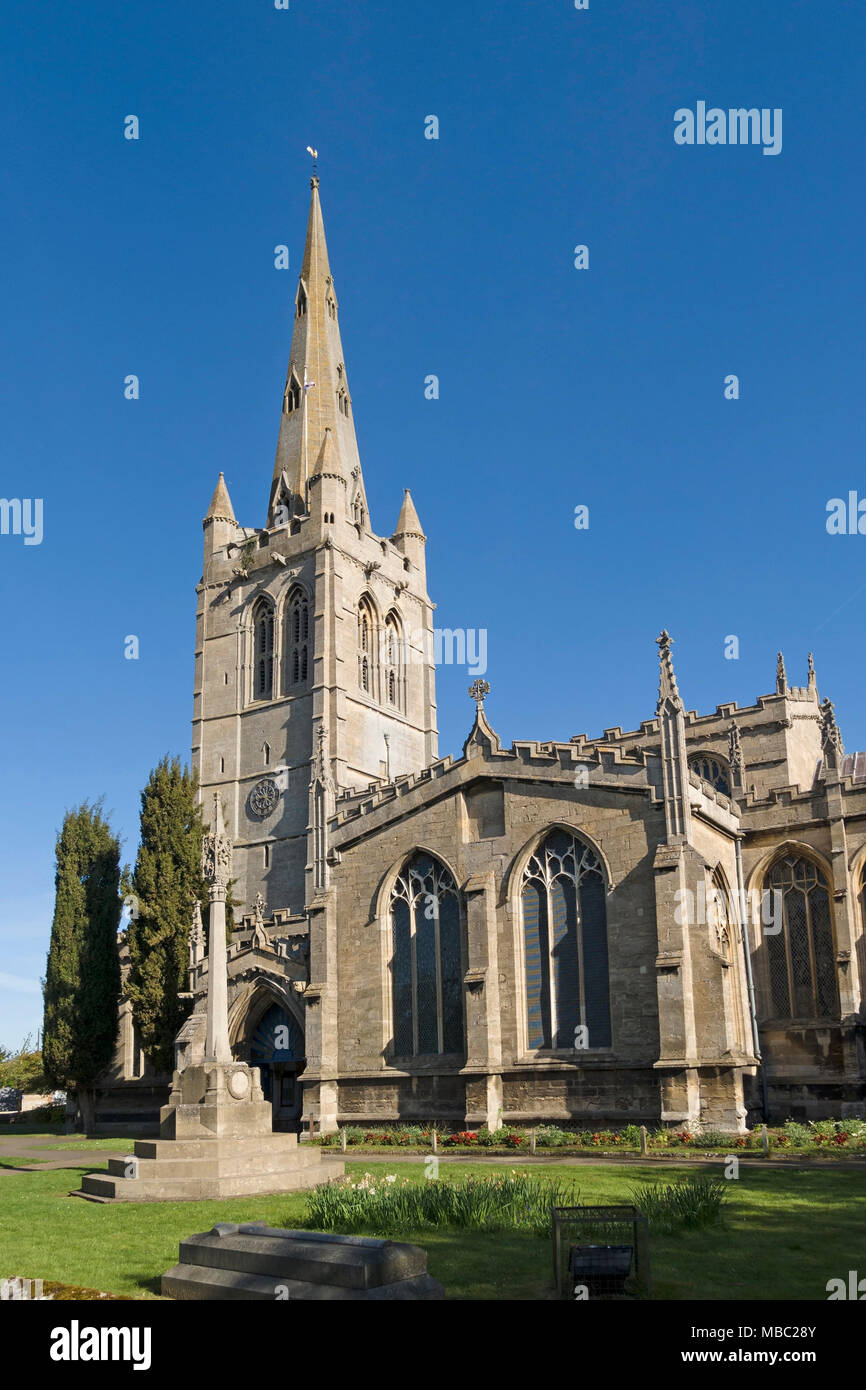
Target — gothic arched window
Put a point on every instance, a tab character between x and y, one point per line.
298	637
392	655
366	645
801	962
565	945
293	395
426	961
712	771
302	301
263	640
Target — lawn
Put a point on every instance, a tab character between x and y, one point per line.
785	1233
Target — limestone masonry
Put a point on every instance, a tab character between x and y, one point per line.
665	924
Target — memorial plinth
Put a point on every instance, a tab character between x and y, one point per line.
215	1138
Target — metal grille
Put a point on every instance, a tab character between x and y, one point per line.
600	1252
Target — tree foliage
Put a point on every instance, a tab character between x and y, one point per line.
166	881
23	1070
82	979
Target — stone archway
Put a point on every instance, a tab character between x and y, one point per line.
270	1037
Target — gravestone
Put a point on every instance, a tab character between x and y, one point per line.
259	1262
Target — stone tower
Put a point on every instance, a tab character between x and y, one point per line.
314	649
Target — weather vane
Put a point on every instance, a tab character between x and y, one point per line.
315	156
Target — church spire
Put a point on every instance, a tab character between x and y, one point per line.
316	397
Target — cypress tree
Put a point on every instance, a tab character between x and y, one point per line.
82	978
166	880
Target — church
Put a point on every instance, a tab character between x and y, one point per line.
664	925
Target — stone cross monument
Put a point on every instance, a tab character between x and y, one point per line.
216	866
216	1137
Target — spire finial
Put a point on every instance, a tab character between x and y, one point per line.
668	689
314	182
479	690
813	679
781	675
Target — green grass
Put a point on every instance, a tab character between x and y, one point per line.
71	1144
784	1233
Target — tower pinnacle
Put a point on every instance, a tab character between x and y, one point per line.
668	689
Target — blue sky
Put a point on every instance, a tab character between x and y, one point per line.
558	387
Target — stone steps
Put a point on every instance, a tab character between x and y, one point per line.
198	1186
222	1163
200	1148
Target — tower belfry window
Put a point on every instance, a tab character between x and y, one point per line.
392	661
366	646
263	640
298	634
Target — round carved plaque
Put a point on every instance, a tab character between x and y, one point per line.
239	1084
264	797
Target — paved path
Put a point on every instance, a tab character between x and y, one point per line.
613	1160
34	1155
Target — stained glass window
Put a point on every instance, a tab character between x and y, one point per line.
712	771
565	945
426	962
801	965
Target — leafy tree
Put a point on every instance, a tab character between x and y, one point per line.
166	881
23	1070
82	979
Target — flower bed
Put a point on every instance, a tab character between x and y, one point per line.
816	1137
